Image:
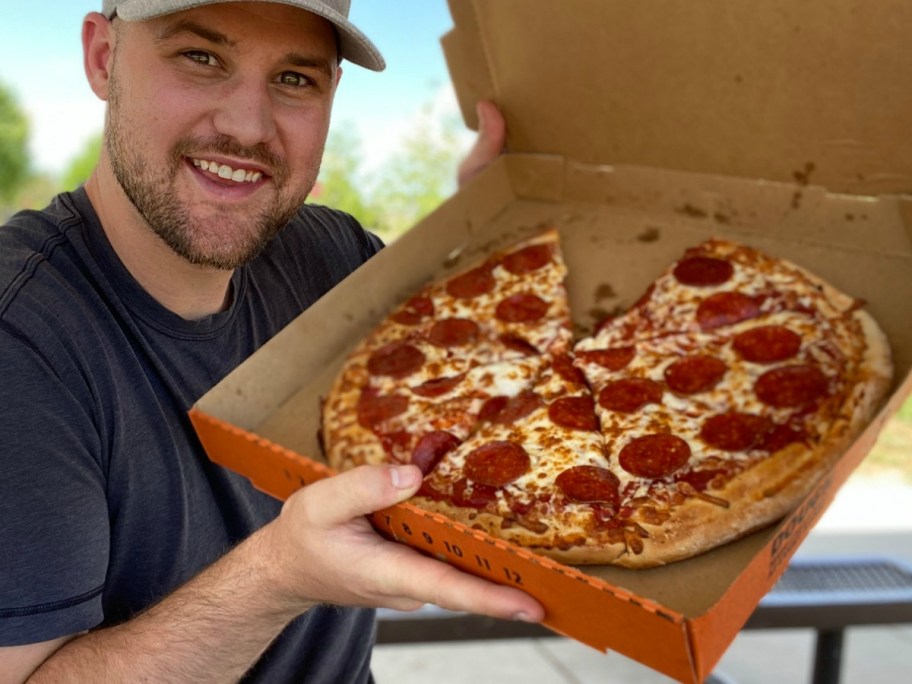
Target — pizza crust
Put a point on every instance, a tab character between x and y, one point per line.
572	549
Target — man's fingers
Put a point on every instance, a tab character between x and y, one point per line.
432	581
355	493
492	137
336	557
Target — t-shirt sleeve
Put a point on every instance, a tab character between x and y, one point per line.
55	527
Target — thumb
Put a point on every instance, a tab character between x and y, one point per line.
357	492
492	137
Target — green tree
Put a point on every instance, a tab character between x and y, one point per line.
416	180
14	158
340	184
410	184
36	192
80	168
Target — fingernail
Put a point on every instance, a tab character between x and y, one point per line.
523	617
402	477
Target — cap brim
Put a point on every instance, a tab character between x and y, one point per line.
353	44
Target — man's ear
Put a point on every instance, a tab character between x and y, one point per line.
98	52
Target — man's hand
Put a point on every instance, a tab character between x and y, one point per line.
492	137
339	558
320	549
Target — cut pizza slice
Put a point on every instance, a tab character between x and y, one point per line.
433	361
716	284
509	305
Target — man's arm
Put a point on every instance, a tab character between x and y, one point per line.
18	662
320	549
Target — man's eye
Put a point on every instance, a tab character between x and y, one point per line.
202	57
292	78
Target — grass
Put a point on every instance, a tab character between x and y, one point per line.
892	454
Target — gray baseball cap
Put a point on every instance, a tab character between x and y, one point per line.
353	45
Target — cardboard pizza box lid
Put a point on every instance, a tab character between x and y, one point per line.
815	92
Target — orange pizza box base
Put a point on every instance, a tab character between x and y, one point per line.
638	130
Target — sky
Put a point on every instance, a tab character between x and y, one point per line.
41	63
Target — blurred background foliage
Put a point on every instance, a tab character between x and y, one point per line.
14	160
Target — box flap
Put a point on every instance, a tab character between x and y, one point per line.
813	92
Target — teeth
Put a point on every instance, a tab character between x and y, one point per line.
226	172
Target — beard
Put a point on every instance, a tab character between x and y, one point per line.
220	237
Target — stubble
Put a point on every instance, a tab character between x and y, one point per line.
217	235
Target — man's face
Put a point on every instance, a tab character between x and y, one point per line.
217	118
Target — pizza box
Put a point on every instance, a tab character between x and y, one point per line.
638	130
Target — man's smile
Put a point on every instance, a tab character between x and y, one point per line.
239	175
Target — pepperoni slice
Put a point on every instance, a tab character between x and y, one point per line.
492	408
374	408
438	387
735	431
629	394
613	359
702	271
497	463
692	374
528	259
575	413
396	360
477	496
431	448
472	283
564	367
726	308
791	386
767	344
654	456
590	484
780	436
521	308
414	311
518	344
428	490
508	410
453	332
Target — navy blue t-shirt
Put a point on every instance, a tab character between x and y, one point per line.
107	500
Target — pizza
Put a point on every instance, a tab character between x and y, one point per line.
704	412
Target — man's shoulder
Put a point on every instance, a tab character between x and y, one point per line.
41	262
333	232
37	230
318	248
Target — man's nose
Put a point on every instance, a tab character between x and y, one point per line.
245	112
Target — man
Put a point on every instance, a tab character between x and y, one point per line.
128	556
